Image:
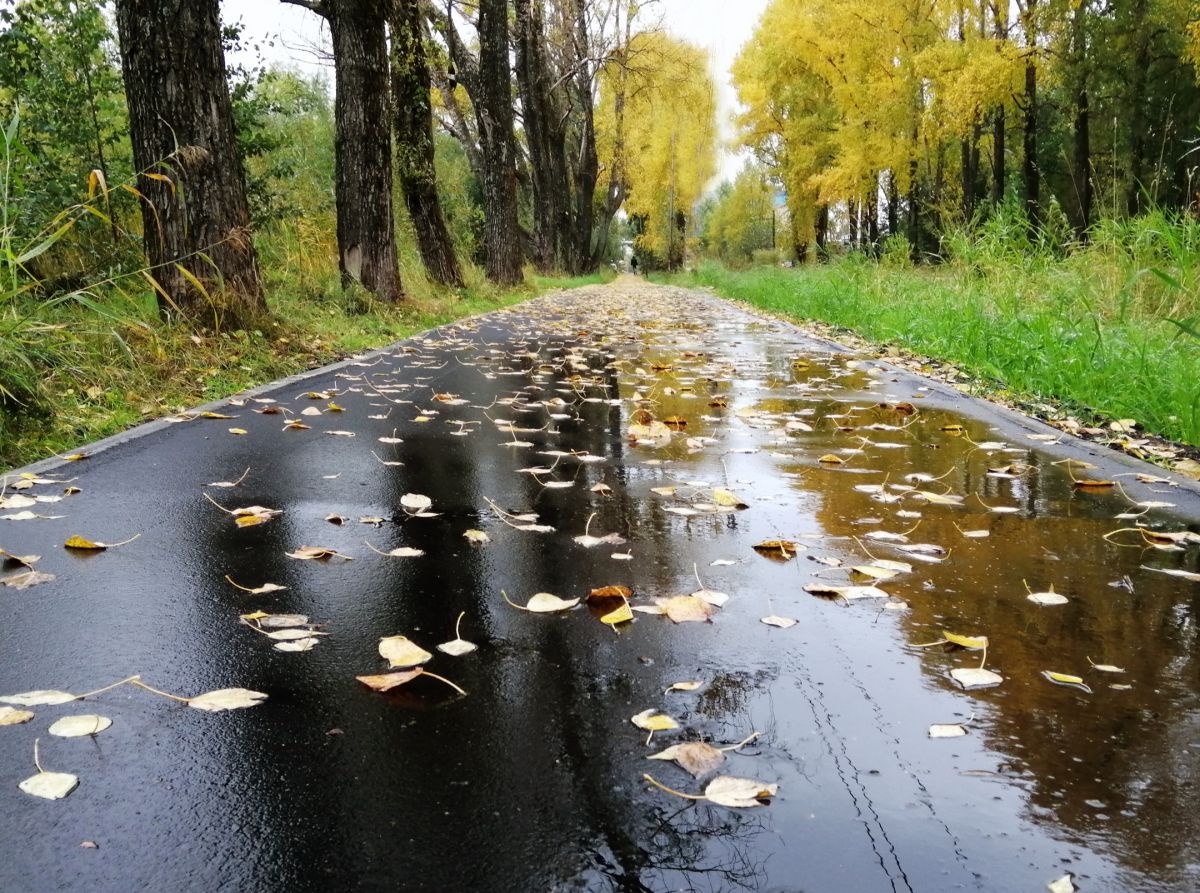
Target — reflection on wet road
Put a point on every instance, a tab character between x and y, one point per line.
952	515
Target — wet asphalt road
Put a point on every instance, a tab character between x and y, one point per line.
533	780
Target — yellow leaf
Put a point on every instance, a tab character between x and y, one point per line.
401	651
1066	679
971	643
622	614
238	431
654	722
727	499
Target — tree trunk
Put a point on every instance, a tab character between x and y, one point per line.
363	147
545	138
872	218
587	171
893	206
1000	11
1082	161
413	118
822	233
1137	109
852	211
998	125
1030	169
181	127
494	112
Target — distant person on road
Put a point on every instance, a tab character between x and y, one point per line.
633	264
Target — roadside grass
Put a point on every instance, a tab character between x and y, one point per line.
81	375
1091	331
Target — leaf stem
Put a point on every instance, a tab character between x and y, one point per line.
658	784
443	679
36	761
741	743
100	691
140	684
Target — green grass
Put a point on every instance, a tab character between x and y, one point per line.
81	375
1089	330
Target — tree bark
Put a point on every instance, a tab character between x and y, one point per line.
1030	169
587	172
822	233
413	118
1082	161
1138	75
363	147
998	125
181	128
491	95
1000	12
545	138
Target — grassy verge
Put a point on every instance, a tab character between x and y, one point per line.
1088	332
98	373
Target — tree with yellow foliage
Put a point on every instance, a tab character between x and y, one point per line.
656	132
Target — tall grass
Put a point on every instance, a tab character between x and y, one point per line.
1106	329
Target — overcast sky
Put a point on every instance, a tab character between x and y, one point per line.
719	26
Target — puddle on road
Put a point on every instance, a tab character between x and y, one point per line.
534	780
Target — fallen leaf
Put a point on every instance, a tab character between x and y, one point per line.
1063	885
388	681
78	542
975	677
37	698
11	716
947	730
50	785
589	542
398	552
971	643
653	722
238	431
611	592
687	609
728	499
846	592
781	622
1067	679
689	685
544	603
316	553
623	614
476	537
739	793
711	597
226	699
1047	598
780	550
1105	668
697	757
302	644
401	651
415	502
79	725
257	590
